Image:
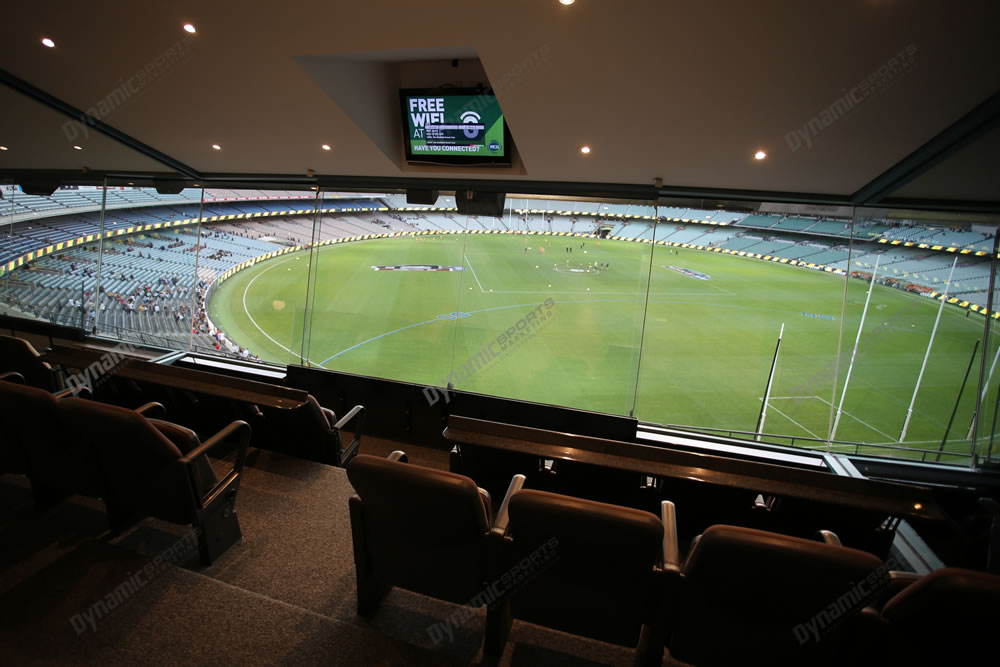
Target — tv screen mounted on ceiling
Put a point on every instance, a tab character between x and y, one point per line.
454	126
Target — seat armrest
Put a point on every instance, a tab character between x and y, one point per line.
671	552
398	455
899	581
829	537
238	431
349	452
484	495
152	410
16	378
455	460
78	391
500	521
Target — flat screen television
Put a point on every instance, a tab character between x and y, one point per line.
454	126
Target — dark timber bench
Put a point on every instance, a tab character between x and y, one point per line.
195	381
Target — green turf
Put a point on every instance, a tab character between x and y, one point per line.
706	344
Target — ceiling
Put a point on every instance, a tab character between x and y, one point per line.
844	97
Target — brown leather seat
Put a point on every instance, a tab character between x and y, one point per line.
35	443
752	597
417	528
587	568
311	432
18	355
161	470
947	617
23	411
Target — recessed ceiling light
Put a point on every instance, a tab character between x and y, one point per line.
79	148
584	149
48	42
759	155
189	28
566	2
325	147
3	148
217	147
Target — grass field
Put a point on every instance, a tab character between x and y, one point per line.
706	345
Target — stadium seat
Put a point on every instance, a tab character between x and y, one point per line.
158	469
420	529
311	432
18	355
947	617
587	568
751	597
35	443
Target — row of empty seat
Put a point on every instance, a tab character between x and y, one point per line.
139	466
616	574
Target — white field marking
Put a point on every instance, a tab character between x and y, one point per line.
882	433
866	444
796	423
637	295
474	274
721	289
901	402
247	310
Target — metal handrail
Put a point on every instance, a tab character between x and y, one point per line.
817	443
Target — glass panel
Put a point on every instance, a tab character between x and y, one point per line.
139	273
254	268
552	311
915	335
387	279
985	432
552	302
9	289
49	262
725	285
987	301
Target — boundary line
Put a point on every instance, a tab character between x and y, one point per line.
796	423
882	433
473	274
820	398
252	320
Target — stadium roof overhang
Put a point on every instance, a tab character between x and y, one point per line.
876	102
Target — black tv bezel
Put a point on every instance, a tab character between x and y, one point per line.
506	160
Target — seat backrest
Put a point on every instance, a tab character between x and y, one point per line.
772	596
304	432
17	354
36	442
425	530
141	466
946	617
25	414
582	566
